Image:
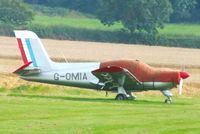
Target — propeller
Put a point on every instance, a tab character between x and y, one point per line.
183	75
180	88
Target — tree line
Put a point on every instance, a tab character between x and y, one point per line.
183	10
140	18
135	15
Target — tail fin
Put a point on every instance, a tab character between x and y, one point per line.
32	50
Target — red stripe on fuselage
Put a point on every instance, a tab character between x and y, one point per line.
19	41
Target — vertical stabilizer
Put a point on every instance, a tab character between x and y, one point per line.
32	50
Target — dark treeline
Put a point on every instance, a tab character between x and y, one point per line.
183	10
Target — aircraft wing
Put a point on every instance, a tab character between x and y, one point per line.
114	76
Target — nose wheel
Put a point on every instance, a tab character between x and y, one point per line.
168	101
168	94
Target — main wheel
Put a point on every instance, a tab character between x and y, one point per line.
121	97
168	101
131	96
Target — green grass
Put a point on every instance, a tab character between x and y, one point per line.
95	24
85	23
56	110
181	29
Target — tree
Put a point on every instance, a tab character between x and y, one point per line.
182	10
15	12
195	16
141	15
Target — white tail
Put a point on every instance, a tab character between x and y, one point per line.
32	50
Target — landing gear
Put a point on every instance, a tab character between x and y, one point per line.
168	94
125	97
121	97
131	96
168	101
122	94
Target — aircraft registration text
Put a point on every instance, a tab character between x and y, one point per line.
71	76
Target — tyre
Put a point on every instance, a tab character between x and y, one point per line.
131	96
121	97
168	101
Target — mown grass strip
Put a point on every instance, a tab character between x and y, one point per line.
28	112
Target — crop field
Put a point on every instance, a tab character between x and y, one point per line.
34	108
182	30
85	23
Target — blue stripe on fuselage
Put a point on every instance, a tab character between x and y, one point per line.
28	43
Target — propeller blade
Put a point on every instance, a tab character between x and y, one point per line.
180	89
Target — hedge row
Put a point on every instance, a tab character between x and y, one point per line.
121	36
6	30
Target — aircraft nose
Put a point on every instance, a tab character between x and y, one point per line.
184	75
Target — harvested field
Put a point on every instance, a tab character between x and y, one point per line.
91	51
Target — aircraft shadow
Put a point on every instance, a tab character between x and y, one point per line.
105	100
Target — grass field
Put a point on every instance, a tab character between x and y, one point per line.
85	23
181	30
42	110
89	23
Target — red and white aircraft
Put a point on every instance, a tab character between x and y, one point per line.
122	76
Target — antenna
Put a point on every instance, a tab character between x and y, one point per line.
64	57
182	67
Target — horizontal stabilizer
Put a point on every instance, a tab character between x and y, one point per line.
26	69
